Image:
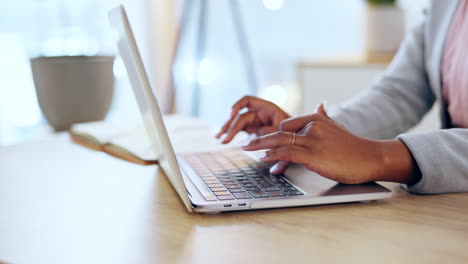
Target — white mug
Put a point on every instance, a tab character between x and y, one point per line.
73	89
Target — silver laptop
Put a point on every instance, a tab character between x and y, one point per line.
226	180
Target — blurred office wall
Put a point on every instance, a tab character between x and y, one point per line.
31	28
280	32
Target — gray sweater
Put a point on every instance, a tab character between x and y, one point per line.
400	98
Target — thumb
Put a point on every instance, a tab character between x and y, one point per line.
321	110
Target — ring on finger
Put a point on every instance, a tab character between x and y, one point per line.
293	140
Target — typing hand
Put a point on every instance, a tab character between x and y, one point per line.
323	146
262	117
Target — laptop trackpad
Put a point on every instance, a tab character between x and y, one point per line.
315	185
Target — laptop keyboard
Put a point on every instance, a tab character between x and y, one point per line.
233	175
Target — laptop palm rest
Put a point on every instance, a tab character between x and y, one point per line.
320	190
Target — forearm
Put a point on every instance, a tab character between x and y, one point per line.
398	164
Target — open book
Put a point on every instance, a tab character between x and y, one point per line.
127	142
130	142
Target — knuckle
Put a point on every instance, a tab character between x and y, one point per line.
283	124
247	98
278	134
316	130
282	136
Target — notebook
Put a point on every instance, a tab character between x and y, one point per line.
129	141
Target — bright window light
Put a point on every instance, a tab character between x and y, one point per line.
18	102
274	93
119	69
207	72
273	5
285	95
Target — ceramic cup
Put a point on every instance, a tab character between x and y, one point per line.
73	89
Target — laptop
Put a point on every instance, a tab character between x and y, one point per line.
228	179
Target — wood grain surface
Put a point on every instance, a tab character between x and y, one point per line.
67	204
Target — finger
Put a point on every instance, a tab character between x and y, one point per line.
295	154
251	129
239	123
274	140
297	123
250	102
279	168
321	110
266	130
224	128
245	101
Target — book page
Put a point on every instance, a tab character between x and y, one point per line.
187	134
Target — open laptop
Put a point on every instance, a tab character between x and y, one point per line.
226	180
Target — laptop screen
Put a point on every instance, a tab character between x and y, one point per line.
147	101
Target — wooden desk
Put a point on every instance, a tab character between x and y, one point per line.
60	203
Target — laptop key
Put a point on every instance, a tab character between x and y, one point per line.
236	190
270	189
218	189
209	178
242	195
252	188
211	181
210	197
258	194
228	181
226	197
222	193
276	193
215	185
247	183
236	174
232	186
265	185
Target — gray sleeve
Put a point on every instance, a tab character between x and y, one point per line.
442	157
397	100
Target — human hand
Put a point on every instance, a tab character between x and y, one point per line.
262	117
324	146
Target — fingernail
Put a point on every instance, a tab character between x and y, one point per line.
244	143
261	155
221	138
274	169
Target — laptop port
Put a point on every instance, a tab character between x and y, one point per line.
242	204
227	205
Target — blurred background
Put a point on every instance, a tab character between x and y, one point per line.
298	49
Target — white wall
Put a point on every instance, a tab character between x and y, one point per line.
278	39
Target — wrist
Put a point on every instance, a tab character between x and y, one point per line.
397	163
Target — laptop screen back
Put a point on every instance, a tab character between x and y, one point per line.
147	102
